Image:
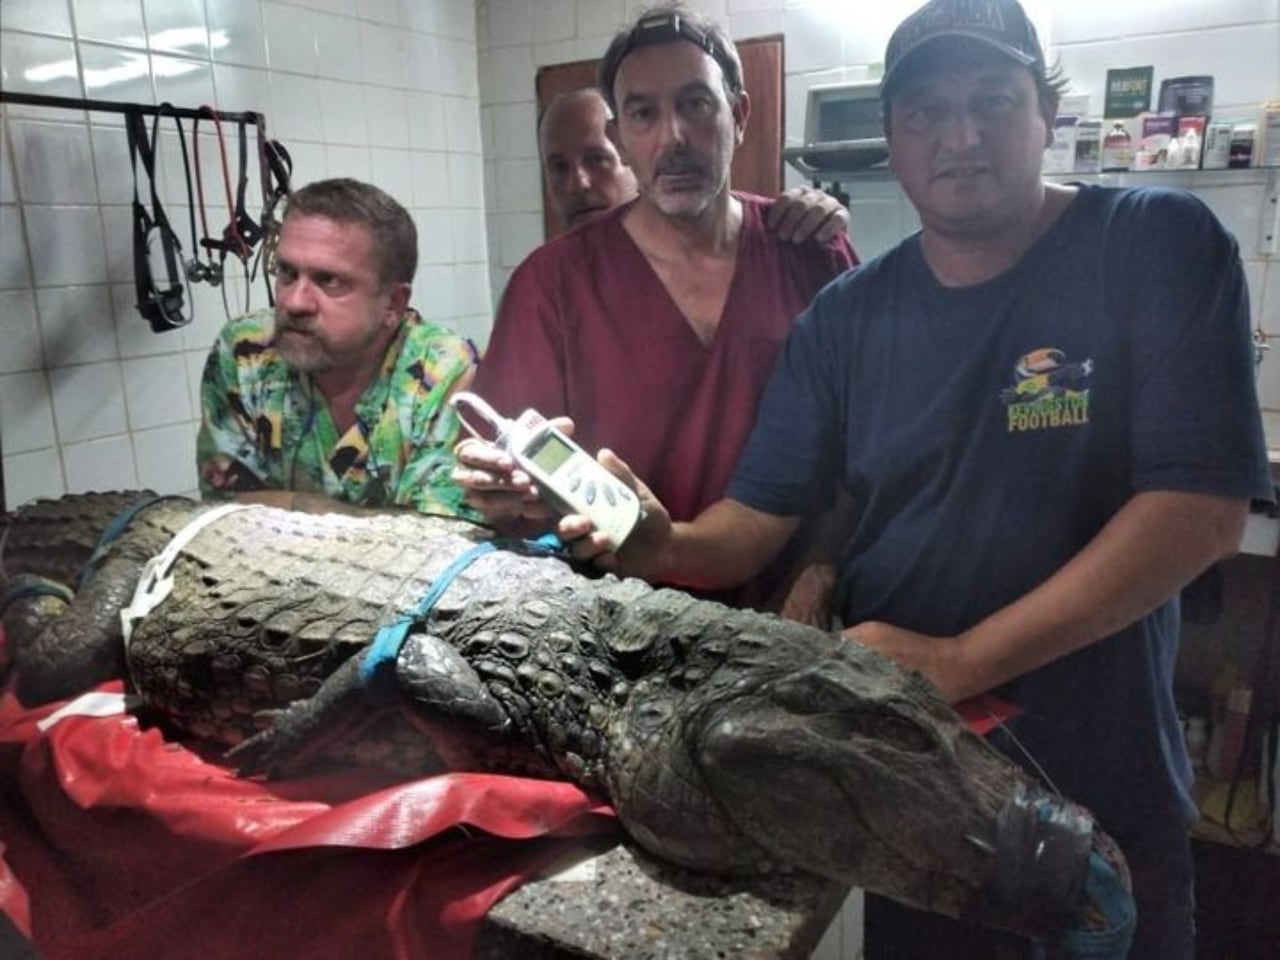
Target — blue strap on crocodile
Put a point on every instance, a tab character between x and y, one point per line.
112	531
34	587
378	668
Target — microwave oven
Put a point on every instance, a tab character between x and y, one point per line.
843	131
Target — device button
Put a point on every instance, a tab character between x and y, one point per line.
589	494
608	495
575	483
625	493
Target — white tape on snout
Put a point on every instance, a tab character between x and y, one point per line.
156	583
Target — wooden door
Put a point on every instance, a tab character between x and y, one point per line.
757	164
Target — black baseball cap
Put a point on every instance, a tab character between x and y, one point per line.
1001	25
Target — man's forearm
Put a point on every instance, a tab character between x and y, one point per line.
726	545
1155	545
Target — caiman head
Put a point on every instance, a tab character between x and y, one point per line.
805	751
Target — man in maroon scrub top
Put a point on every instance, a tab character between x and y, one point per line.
654	325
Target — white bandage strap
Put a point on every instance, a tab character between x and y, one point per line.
156	583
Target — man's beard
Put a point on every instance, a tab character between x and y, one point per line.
307	351
314	352
686	204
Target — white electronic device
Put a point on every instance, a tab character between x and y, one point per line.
568	478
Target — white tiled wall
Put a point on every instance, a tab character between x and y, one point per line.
385	90
827	41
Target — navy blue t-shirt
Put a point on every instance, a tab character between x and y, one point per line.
987	433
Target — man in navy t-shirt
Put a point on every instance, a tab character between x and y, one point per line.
1044	409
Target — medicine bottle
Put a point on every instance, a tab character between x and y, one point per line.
1117	148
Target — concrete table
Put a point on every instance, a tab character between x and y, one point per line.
621	905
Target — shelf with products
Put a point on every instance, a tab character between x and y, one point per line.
843	185
1182	175
1186	179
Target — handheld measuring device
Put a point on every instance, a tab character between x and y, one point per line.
568	477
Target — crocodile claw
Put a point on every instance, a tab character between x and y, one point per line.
263	753
297	735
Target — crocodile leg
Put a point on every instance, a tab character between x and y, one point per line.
443	698
307	730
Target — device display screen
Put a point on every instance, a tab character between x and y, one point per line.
551	454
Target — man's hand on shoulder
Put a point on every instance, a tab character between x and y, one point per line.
802	214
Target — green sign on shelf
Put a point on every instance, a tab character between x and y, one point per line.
1128	91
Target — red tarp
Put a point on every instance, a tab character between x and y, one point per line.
115	843
118	844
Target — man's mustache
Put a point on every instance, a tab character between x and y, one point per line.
296	323
678	163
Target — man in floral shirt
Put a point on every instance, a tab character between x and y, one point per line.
340	396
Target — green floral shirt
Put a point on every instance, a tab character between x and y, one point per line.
265	426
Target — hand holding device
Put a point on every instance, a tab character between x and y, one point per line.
567	477
496	486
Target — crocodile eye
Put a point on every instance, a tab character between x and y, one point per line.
651	716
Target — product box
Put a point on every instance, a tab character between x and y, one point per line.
1217	145
1244	135
1270	155
1186	96
1060	156
1088	146
1074	103
1158	131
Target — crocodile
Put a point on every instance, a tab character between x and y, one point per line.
728	741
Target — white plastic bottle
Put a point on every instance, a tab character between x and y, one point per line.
1190	149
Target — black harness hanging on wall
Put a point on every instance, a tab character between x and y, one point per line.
246	228
196	270
161	305
275	167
